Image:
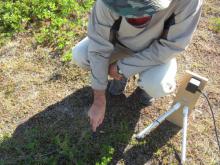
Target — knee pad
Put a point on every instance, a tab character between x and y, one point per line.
157	88
160	80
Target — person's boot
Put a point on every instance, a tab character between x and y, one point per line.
117	87
144	98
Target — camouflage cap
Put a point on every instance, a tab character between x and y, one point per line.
136	8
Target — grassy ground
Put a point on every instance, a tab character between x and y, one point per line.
44	103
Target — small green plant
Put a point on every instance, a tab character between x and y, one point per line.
107	152
54	23
67	57
215	25
64	147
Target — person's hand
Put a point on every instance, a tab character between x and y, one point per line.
97	111
113	72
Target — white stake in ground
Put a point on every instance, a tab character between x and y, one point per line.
185	123
158	121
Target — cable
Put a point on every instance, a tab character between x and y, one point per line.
213	117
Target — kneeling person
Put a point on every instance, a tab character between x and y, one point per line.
150	33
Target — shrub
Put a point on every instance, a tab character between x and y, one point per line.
215	25
54	23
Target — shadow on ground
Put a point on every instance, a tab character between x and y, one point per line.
61	134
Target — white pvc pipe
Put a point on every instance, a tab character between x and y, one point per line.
185	122
158	121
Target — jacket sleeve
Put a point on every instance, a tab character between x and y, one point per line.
186	16
100	48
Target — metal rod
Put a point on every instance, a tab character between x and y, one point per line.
184	142
157	122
